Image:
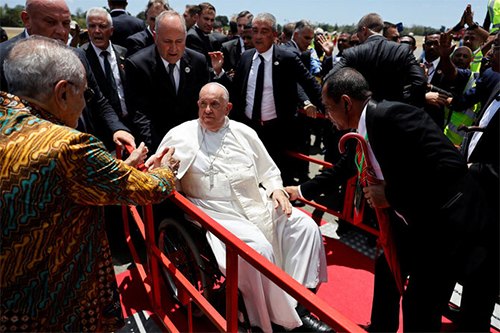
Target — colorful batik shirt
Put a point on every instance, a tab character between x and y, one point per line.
56	267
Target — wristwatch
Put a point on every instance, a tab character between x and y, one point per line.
307	102
474	26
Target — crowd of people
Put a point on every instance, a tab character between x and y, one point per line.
215	115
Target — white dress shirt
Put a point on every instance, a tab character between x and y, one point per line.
268	110
177	75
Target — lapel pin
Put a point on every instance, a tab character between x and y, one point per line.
276	63
187	70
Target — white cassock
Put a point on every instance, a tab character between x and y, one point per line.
220	173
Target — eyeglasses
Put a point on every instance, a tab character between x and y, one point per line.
354	42
88	93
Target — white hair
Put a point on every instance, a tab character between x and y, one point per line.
37	63
99	11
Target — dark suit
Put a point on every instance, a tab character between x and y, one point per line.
100	77
232	53
151	98
220	38
388	67
97	111
139	41
480	290
288	71
124	26
198	41
429	185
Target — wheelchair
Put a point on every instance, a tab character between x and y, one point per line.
185	245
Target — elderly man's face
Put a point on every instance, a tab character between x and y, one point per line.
213	108
170	39
206	21
48	18
263	35
75	100
304	38
99	31
461	57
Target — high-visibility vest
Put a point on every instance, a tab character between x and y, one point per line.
475	64
466	117
494	13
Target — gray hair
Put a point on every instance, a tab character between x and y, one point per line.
36	63
267	17
169	13
99	11
302	24
371	21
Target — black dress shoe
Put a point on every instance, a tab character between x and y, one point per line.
312	324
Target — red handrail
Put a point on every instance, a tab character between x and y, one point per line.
234	248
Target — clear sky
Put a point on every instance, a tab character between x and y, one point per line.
434	13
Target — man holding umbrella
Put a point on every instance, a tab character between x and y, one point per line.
434	207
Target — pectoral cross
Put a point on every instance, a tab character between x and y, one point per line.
211	172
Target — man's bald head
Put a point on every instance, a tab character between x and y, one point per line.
48	18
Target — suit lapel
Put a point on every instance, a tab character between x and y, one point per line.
120	60
95	64
247	65
161	74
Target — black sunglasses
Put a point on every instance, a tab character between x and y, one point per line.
354	42
88	93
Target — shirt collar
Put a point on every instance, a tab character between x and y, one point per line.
268	55
362	122
435	63
166	63
98	51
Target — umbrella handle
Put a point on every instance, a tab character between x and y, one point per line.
361	142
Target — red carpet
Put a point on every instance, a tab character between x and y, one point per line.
349	290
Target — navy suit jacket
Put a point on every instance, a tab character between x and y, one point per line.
139	41
151	98
124	26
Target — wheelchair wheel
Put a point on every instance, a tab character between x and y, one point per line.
181	249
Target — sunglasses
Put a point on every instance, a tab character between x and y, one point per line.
88	93
354	42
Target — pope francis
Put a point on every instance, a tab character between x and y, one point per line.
227	173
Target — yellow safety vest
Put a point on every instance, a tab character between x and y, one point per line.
494	13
